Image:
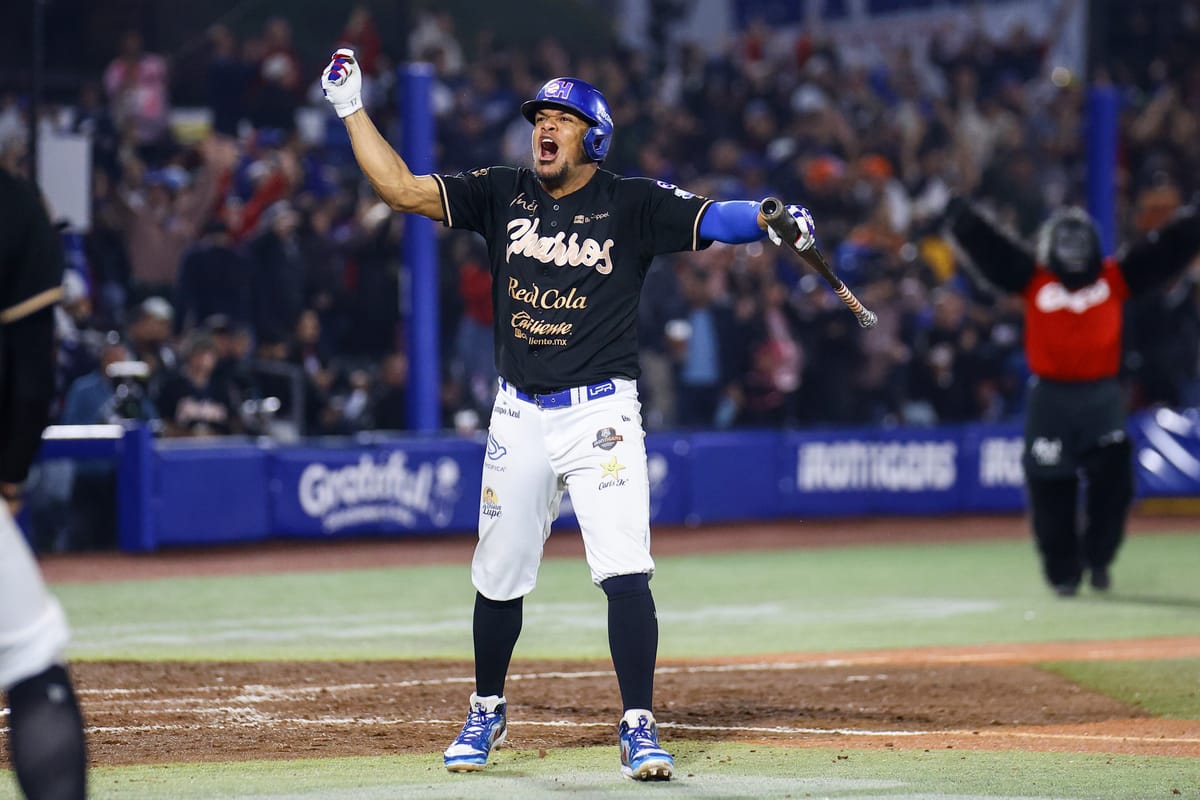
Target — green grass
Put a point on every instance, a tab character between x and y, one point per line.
705	771
708	605
1162	688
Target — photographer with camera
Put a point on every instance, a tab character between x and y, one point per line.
113	392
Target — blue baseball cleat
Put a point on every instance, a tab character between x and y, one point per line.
483	732
641	756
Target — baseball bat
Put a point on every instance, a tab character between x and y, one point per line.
775	214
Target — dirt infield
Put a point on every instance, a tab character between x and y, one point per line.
981	698
986	697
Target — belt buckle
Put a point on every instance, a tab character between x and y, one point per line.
557	399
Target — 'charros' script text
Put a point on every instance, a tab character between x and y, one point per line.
558	250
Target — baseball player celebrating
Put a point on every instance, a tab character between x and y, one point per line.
569	246
45	726
1075	415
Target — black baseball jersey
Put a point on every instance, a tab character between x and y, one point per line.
567	272
31	265
31	270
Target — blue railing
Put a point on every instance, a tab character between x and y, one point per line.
175	492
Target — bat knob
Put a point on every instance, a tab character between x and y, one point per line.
867	319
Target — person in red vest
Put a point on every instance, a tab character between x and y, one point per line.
1075	418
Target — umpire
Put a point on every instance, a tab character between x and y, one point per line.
46	739
1075	416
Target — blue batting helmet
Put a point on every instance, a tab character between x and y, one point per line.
578	97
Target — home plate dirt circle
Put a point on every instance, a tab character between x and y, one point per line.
968	698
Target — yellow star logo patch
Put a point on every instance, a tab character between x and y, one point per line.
612	468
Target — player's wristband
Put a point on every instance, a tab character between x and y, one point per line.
349	107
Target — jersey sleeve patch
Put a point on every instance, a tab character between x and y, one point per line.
674	216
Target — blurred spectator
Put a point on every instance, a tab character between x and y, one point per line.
473	346
389	403
433	39
371	246
105	246
1164	343
228	78
78	340
306	352
662	335
149	336
881	188
162	211
362	36
349	406
137	87
278	92
91	117
267	172
882	380
946	360
232	341
323	269
277	272
188	401
272	382
214	278
711	360
777	361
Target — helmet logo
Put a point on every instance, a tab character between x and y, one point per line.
559	90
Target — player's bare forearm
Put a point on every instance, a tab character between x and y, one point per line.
393	181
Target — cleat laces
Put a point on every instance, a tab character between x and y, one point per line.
474	732
643	736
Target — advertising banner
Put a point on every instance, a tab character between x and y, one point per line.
409	486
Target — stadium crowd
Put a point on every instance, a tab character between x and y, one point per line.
257	277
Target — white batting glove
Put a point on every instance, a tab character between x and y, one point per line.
806	234
342	83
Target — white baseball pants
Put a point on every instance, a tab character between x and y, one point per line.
33	628
594	447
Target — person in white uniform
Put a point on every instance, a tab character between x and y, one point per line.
569	246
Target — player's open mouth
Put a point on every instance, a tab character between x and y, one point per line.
547	149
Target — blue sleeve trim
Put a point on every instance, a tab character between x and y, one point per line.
732	222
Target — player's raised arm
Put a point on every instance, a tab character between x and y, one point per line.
385	169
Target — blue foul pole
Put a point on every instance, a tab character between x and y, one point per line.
415	100
1103	105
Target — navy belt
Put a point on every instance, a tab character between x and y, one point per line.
563	397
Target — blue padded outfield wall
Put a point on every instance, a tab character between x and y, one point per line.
188	492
